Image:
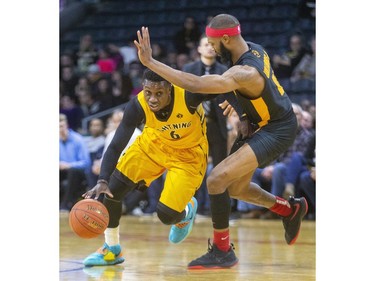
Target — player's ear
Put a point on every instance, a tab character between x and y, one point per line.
225	39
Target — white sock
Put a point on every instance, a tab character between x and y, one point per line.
112	236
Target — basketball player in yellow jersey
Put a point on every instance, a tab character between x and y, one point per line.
173	140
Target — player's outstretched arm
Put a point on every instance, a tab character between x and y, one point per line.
208	84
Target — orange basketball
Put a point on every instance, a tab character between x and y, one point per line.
88	218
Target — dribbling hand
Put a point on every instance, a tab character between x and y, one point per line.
99	188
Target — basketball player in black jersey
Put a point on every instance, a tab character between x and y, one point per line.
270	130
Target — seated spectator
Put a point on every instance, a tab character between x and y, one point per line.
72	111
284	64
74	162
305	69
86	54
128	53
300	175
105	63
307	121
116	56
159	52
102	91
135	74
122	87
95	144
68	81
89	103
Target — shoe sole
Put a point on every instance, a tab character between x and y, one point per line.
212	267
121	260
192	222
295	237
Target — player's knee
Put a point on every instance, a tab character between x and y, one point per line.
216	183
167	215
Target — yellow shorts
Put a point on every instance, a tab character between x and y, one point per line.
147	159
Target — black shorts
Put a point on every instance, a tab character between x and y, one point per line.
271	140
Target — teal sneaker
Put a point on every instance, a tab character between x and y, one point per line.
181	230
106	255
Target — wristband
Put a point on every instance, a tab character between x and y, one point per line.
102	181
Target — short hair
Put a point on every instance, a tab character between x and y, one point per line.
152	76
223	21
63	117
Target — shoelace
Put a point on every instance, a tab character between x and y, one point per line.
182	224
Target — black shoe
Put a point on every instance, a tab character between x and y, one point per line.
292	223
214	258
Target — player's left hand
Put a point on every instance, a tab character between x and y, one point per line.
144	46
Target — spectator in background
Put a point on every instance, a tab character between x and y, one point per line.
284	64
89	103
116	56
68	82
95	144
172	59
187	38
305	69
307	121
66	59
72	111
181	60
74	162
102	92
105	62
135	74
122	87
300	174
83	84
159	52
128	53
86	54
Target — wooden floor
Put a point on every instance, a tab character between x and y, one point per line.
259	245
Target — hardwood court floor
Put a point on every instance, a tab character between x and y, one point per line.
259	245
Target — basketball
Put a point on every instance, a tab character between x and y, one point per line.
88	218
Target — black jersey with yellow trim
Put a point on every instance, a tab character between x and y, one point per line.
273	104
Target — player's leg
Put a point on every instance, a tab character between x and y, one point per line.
177	206
110	253
120	184
236	169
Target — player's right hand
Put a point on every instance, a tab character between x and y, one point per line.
97	190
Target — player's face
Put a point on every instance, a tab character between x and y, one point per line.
226	56
157	94
218	46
